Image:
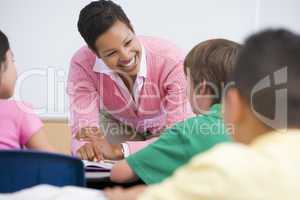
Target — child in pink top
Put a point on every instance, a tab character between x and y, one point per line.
19	126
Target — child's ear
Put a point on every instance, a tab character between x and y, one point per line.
202	88
234	107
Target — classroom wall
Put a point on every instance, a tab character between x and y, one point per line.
274	13
59	135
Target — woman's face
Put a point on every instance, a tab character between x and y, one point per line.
8	76
120	49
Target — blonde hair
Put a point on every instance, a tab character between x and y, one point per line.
211	61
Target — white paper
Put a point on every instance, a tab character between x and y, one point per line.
102	164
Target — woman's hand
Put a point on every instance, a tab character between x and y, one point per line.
89	151
97	147
108	151
88	132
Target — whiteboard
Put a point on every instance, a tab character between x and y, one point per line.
43	35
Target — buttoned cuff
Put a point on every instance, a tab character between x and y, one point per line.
125	150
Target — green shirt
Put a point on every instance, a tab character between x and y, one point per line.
177	145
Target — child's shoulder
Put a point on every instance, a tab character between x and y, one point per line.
207	127
212	117
15	108
230	158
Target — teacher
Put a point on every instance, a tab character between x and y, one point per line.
121	78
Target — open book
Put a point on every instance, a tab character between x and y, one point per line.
102	166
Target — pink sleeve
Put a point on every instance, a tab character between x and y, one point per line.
176	103
30	123
135	146
84	100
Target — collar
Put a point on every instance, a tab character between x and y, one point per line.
101	67
215	110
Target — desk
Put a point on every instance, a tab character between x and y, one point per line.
97	180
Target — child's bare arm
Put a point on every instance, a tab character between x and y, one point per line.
39	141
122	173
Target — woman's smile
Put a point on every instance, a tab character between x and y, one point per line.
128	65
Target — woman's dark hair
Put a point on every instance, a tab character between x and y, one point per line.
4	47
97	17
212	61
272	57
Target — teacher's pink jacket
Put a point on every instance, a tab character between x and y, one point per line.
162	99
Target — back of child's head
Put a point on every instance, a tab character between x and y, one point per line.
267	75
4	47
212	61
7	68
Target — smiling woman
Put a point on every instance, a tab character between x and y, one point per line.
121	51
136	82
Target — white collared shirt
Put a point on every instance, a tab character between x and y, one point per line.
101	67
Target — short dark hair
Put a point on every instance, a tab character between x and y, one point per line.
263	54
4	47
212	61
97	17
